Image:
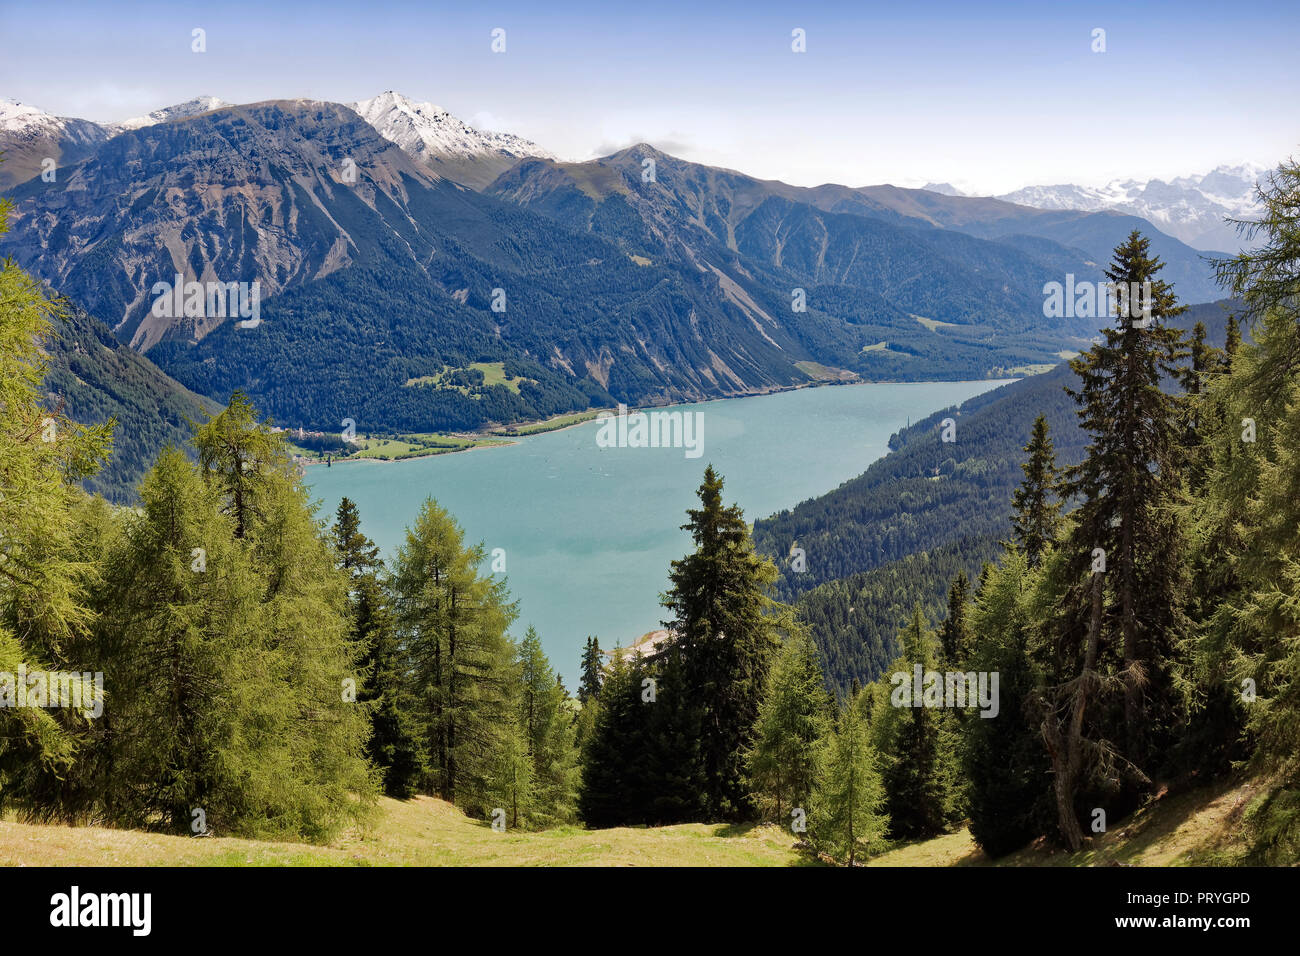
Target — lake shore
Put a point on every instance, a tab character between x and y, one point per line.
589	533
506	435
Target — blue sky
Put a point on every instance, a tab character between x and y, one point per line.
990	96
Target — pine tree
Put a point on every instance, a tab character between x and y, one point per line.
724	629
793	719
846	819
1036	520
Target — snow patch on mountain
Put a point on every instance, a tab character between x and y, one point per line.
21	122
424	130
1190	208
195	107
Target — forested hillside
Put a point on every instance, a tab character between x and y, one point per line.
926	492
95	378
898	534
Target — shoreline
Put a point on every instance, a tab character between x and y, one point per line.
506	440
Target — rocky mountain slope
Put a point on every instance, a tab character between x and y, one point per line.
638	277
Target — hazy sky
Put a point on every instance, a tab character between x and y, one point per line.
988	96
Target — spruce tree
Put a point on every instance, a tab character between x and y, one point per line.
919	763
1004	763
955	638
724	629
1036	520
1122	612
357	553
592	671
613	793
393	746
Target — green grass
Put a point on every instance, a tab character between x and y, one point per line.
494	373
1202	827
419	832
550	425
823	373
934	325
416	446
1208	826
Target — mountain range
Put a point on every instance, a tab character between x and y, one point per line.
1190	208
392	243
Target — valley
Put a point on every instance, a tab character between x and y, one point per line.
629	465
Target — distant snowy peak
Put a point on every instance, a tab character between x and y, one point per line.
1191	208
427	131
16	117
946	189
31	139
195	107
20	121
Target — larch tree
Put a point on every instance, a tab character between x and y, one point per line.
452	623
793	718
44	581
846	819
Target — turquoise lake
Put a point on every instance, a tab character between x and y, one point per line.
588	532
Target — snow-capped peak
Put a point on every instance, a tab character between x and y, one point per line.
194	107
1191	208
25	128
16	116
423	129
